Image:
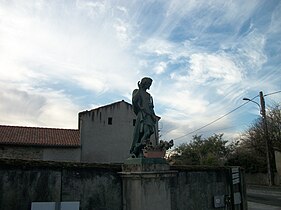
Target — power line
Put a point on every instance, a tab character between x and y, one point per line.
272	93
212	122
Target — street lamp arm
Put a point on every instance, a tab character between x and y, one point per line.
247	99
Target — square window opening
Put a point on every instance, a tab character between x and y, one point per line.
109	121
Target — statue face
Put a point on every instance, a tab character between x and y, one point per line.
147	85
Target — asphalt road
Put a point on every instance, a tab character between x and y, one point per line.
264	198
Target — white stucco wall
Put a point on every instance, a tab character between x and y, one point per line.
103	142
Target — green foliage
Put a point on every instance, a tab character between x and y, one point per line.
201	151
251	160
249	151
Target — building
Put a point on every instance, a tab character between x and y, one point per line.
35	143
104	135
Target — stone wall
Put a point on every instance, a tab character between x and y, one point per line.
95	186
99	186
40	153
261	179
208	183
62	154
21	152
278	161
195	187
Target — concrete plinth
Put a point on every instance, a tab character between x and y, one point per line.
146	184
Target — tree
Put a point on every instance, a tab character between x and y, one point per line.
274	125
252	159
250	153
201	151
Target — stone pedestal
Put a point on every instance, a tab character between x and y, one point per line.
146	184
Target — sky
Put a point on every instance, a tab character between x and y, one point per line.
58	58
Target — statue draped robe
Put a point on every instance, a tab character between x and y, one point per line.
145	122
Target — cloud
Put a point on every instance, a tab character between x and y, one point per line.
209	70
92	7
203	57
39	49
275	24
57	47
44	108
157	46
250	50
160	68
207	67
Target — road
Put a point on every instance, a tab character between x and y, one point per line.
264	198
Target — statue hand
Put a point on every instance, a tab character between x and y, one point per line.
139	84
141	107
154	117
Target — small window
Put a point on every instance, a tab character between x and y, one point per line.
134	122
109	121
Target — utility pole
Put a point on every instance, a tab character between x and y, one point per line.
268	145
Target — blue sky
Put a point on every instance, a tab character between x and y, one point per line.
58	58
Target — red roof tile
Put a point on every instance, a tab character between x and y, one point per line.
35	136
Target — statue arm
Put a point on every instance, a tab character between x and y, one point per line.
136	101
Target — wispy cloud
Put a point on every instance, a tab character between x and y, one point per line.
37	107
58	58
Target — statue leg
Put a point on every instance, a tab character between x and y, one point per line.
148	131
137	152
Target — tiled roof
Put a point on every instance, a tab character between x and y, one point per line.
35	136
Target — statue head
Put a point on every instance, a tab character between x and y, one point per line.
145	83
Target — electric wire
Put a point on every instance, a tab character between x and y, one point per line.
212	122
272	93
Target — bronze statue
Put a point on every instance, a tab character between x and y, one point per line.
146	118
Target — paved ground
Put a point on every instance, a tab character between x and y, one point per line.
263	198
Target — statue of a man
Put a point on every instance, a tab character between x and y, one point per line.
146	118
